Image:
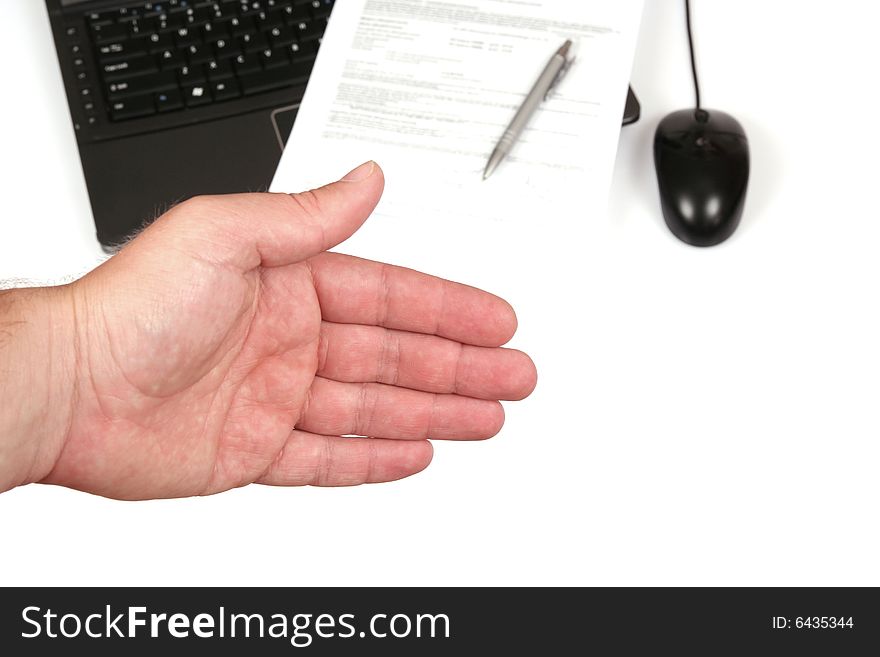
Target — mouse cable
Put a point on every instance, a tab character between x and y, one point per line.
687	12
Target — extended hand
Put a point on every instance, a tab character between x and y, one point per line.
223	347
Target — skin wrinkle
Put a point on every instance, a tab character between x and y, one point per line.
218	465
383	292
218	461
389	360
54	375
220	457
442	307
372	458
83	363
7	302
304	412
324	465
323	348
228	229
456	386
91	368
309	203
257	297
77	359
429	429
359	408
275	463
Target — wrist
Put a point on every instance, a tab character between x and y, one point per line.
37	376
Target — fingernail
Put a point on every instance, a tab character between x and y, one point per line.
363	172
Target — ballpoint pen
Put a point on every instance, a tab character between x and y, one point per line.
553	72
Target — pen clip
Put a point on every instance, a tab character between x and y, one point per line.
559	76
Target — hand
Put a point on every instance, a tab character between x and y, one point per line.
222	347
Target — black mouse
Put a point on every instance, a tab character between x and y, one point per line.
702	162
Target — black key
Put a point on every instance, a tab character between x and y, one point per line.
219	69
132	108
308	30
157	42
240	26
212	32
321	9
274	58
105	18
278	16
225	48
185	37
199	16
199	54
266	21
281	36
177	20
276	78
245	64
170	100
256	8
225	89
142	85
113	52
196	95
109	33
122	12
143	26
128	68
170	23
305	52
190	75
296	14
171	59
254	42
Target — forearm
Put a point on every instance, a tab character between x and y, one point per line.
37	358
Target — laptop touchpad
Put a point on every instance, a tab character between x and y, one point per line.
282	123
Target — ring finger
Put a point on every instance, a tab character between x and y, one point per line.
383	411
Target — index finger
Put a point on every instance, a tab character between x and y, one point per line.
356	291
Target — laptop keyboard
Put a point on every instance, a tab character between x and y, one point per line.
156	57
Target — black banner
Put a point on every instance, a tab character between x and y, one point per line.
439	621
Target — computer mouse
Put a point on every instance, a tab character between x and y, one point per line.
702	162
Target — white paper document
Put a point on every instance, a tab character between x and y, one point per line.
427	87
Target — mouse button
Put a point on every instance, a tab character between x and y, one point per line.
730	146
674	142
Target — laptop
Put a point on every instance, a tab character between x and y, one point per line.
178	98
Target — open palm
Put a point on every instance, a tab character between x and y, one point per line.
223	346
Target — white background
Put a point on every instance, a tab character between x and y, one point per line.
722	428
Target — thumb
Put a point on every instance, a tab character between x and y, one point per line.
248	230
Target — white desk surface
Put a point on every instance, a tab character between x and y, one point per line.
752	463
